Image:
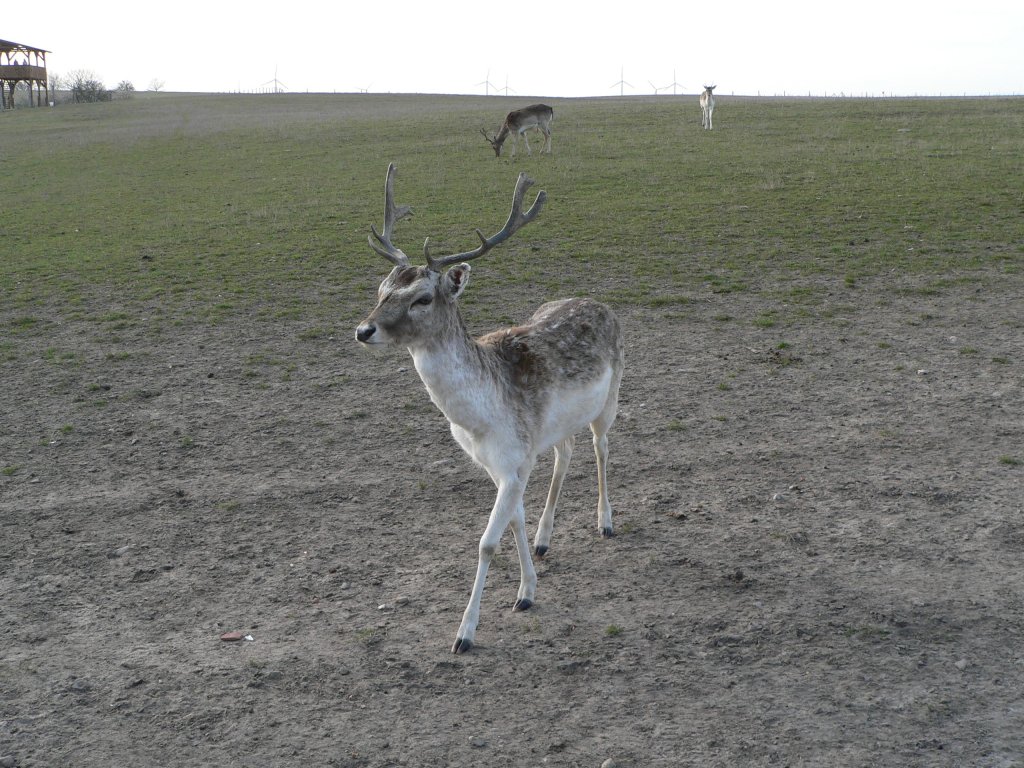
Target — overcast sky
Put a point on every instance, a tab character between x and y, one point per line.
536	49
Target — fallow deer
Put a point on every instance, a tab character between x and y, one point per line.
518	122
510	395
707	106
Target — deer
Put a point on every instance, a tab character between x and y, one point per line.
707	106
518	122
510	395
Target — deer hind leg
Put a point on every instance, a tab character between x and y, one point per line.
563	455
547	141
508	507
600	427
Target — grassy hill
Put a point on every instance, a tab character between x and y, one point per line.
207	204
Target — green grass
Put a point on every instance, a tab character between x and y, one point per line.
185	208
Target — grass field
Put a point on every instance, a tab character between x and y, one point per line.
234	204
815	472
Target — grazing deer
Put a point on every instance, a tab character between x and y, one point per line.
518	122
707	106
510	395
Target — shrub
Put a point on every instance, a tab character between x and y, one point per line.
86	87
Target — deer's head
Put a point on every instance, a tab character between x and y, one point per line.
418	304
414	305
494	141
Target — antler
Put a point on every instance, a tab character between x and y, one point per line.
516	220
391	214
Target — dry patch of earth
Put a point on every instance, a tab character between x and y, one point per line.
818	559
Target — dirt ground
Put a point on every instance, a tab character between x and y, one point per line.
818	558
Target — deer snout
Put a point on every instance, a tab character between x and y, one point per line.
365	332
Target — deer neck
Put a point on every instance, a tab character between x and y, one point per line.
456	372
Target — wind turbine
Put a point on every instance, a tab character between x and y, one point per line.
674	84
279	87
506	89
487	84
622	83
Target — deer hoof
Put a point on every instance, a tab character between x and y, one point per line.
522	605
607	533
540	551
462	645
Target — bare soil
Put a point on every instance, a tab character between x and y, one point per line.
818	558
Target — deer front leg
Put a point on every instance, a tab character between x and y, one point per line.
526	140
507	505
527	573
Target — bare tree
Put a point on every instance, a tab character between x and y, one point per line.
85	86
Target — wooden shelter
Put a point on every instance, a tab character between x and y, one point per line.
22	63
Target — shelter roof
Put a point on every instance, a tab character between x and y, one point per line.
6	46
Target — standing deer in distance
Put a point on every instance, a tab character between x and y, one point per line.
510	395
707	106
518	122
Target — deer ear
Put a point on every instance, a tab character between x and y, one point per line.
456	279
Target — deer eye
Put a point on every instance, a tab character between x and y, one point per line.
423	301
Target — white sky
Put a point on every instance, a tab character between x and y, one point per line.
536	49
